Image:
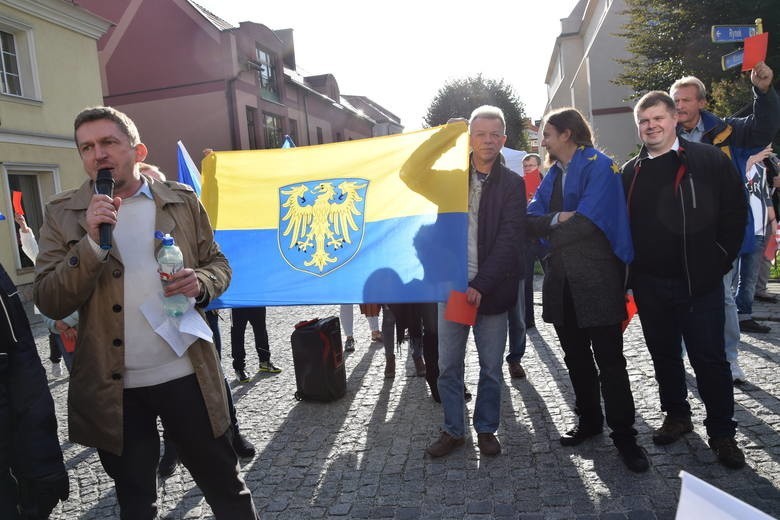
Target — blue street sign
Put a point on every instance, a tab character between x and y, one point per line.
732	33
732	59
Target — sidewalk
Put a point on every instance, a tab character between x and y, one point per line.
362	456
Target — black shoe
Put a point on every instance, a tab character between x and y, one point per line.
242	376
168	461
728	452
241	446
579	434
349	345
766	298
633	456
751	325
672	429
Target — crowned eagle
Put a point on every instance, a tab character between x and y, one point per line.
324	224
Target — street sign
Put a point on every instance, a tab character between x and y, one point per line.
732	33
732	59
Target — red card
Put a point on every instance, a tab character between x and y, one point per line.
630	309
18	203
459	309
69	344
755	50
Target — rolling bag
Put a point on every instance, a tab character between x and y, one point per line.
319	360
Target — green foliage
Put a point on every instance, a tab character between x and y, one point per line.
458	98
671	39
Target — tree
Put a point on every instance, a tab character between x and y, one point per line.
458	98
670	39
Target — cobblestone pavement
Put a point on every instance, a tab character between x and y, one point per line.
362	456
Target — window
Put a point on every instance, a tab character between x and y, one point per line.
36	183
273	131
9	66
251	127
319	136
266	76
293	132
17	60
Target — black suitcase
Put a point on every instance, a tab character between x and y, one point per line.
319	360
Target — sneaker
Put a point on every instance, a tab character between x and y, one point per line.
751	325
444	445
633	456
267	366
242	376
349	345
376	336
737	375
168	461
241	446
56	369
672	429
488	444
579	434
728	452
419	367
516	370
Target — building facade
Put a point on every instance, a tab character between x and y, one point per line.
581	70
212	84
49	72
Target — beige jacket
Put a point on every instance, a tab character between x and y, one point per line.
69	278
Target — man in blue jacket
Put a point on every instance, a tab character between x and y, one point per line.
737	137
32	474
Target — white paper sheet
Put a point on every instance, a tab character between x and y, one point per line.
180	332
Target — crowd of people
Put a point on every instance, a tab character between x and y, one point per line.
682	225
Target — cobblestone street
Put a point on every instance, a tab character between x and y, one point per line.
363	455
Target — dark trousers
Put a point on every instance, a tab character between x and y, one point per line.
534	252
430	339
669	315
256	317
610	380
54	351
212	462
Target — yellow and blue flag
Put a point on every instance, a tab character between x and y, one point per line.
340	223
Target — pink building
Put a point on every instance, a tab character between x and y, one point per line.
183	73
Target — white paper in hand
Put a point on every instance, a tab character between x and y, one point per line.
180	332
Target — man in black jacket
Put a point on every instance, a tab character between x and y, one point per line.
496	212
687	209
32	474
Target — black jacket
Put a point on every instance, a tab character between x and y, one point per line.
712	212
500	240
28	427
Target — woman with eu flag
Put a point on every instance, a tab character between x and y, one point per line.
580	211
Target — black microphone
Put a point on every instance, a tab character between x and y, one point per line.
104	185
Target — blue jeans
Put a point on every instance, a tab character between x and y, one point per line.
669	314
517	338
731	325
490	338
748	274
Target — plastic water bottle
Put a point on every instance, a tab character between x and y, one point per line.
170	261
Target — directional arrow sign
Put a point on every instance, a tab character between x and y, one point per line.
732	59
732	33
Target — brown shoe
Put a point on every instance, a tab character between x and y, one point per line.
389	366
444	445
672	429
516	370
419	367
488	444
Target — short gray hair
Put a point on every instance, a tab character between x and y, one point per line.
488	112
689	81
